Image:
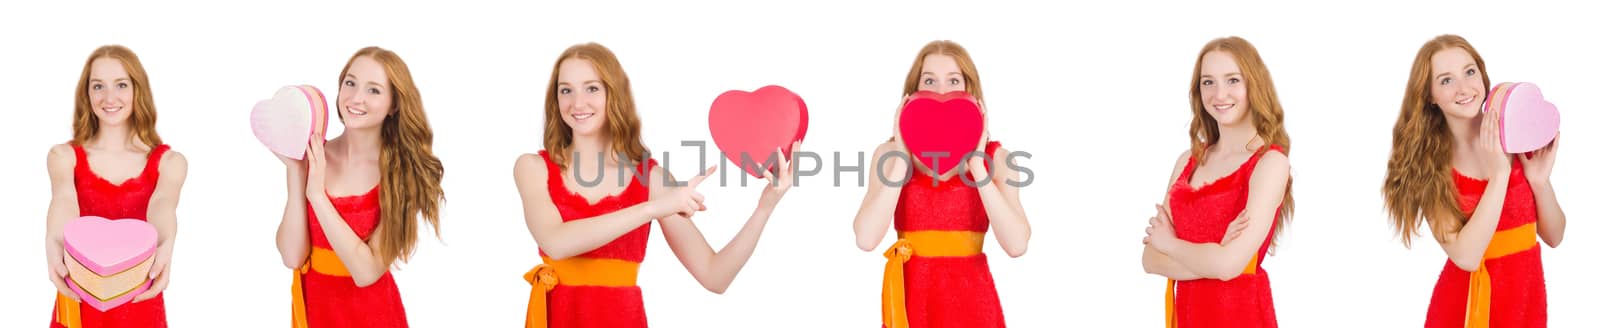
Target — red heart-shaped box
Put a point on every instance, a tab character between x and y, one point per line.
757	124
933	123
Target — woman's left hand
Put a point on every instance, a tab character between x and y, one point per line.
160	273
778	185
1536	165
1160	234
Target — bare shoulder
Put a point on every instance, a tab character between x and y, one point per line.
529	166
1273	159
1272	164
885	147
1180	163
61	153
1183	158
174	161
1177	167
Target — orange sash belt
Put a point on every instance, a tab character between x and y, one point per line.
323	261
924	244
576	271
67	312
1172	290
1504	243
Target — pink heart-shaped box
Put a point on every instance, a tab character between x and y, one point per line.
949	123
1527	121
109	259
757	124
286	122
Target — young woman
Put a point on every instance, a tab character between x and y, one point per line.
335	235
1487	209
590	197
937	275
1228	195
115	167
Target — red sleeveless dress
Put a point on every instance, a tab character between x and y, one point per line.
947	291
575	306
128	199
333	300
1517	291
1202	215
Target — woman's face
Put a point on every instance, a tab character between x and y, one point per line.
110	91
581	96
365	97
1222	88
1457	83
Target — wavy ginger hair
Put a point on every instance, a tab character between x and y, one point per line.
141	122
1418	184
1266	113
410	172
622	119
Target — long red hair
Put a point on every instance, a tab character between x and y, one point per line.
141	122
622	119
1418	184
1266	113
410	188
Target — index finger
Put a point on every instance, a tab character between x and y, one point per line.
695	182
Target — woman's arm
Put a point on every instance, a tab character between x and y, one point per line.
294	234
163	214
1002	203
559	239
1467	245
877	207
1227	261
63	208
358	256
715	270
1552	221
1156	262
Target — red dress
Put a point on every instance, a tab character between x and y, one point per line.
1517	297
590	305
947	291
129	199
1202	215
333	300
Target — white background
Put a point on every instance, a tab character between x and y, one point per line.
1095	91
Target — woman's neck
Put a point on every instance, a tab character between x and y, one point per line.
1238	137
362	144
1463	130
115	137
589	147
